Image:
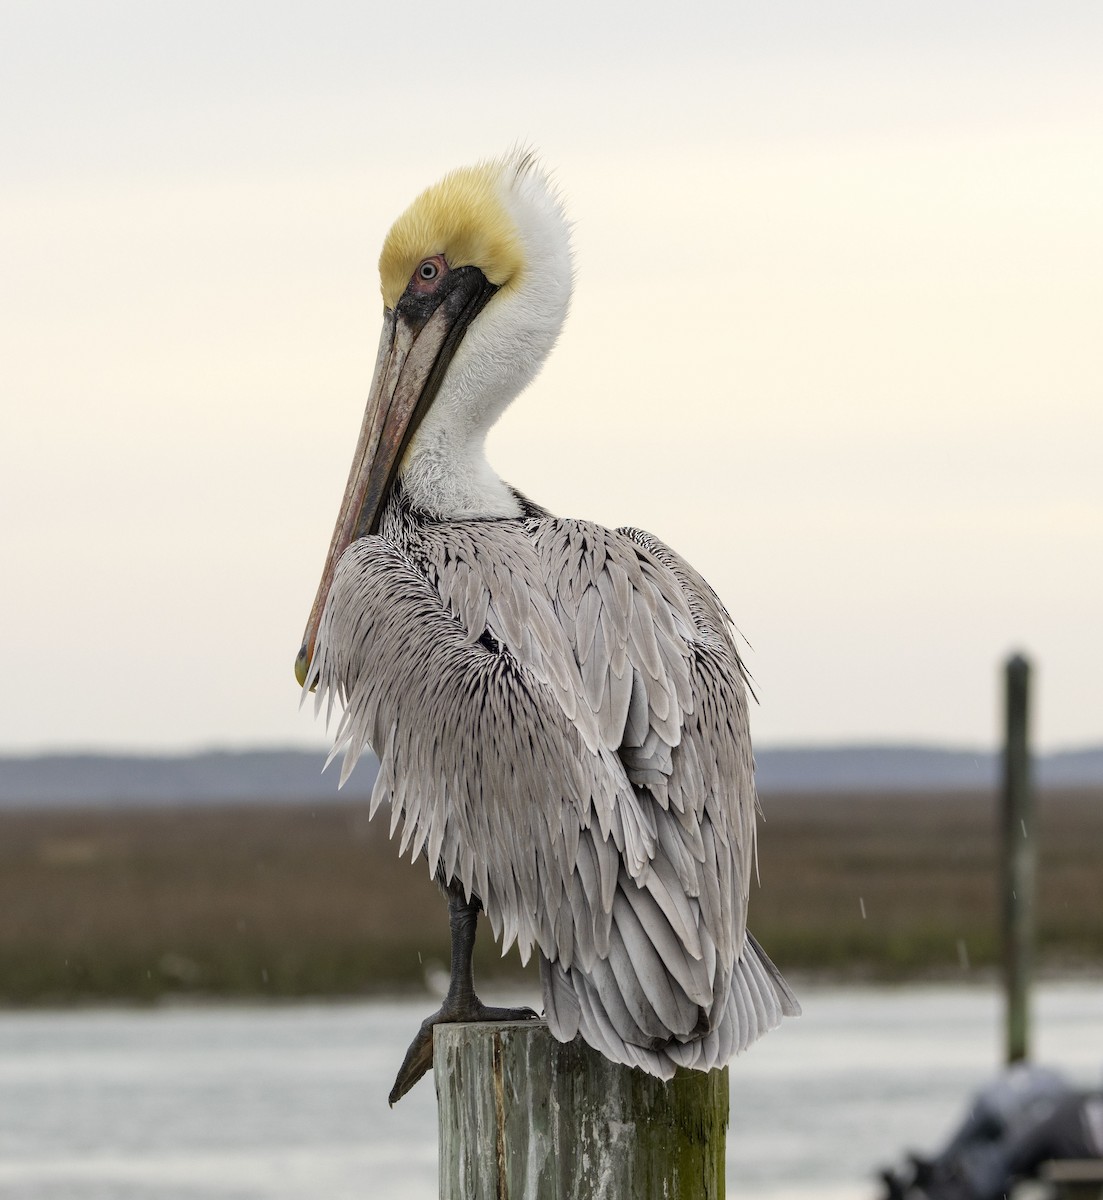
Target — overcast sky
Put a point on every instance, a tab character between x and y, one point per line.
836	337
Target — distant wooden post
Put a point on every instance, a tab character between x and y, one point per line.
523	1117
1018	854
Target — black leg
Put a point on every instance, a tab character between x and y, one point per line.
463	918
461	1003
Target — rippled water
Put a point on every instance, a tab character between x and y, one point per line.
269	1103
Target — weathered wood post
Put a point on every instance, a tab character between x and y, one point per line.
523	1117
1018	854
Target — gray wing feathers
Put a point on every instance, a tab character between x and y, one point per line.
756	1000
661	674
480	765
560	716
628	626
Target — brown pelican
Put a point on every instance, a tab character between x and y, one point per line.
559	710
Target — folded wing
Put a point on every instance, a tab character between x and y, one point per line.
560	716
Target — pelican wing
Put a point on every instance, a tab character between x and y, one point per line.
560	716
662	676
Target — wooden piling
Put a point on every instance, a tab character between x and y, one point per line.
524	1117
1018	853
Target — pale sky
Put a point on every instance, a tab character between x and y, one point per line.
836	337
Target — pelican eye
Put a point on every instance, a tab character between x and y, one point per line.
428	275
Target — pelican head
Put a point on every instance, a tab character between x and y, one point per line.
476	280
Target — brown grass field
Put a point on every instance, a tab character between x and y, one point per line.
293	901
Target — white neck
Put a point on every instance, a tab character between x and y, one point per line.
448	475
445	470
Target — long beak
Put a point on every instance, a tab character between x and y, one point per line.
415	349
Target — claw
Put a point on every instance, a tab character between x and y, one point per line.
418	1060
419	1057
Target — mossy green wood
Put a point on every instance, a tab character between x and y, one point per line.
523	1117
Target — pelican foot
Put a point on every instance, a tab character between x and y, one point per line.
419	1057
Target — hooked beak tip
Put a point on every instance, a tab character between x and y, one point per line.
302	664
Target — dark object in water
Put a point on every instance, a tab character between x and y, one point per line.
1026	1116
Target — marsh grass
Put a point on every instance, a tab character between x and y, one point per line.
903	885
284	901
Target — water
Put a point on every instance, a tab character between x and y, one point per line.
275	1103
